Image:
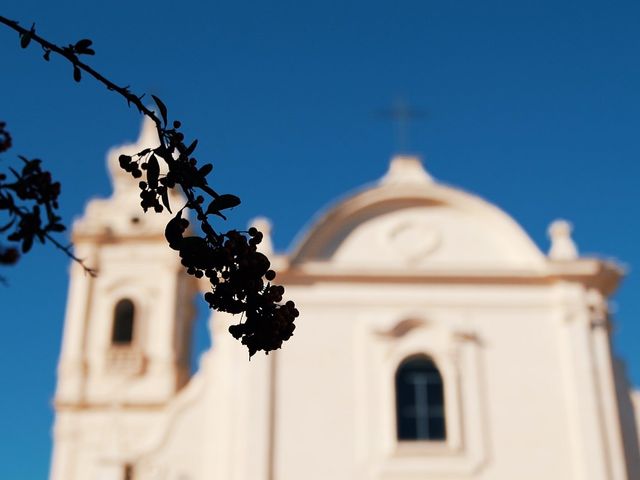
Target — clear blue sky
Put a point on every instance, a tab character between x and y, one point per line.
533	105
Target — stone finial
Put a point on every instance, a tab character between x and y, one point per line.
263	224
406	169
562	245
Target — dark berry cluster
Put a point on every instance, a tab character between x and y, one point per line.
240	279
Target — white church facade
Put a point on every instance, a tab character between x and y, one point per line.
436	341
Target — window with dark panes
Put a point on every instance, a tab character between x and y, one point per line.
420	411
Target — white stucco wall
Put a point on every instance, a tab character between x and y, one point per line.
406	266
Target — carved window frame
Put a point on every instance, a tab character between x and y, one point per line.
457	356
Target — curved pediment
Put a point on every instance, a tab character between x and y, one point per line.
408	221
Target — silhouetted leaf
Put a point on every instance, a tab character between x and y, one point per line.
77	75
173	231
153	172
27	243
191	148
165	199
205	169
161	107
223	202
25	39
82	47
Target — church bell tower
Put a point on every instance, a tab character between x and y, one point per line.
127	330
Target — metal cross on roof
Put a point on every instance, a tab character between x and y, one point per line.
401	114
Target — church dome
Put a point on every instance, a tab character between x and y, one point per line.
408	220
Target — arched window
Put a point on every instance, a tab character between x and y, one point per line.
123	318
419	400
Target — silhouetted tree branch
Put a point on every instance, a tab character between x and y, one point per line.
239	275
24	195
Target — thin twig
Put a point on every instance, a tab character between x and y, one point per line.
73	58
66	250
